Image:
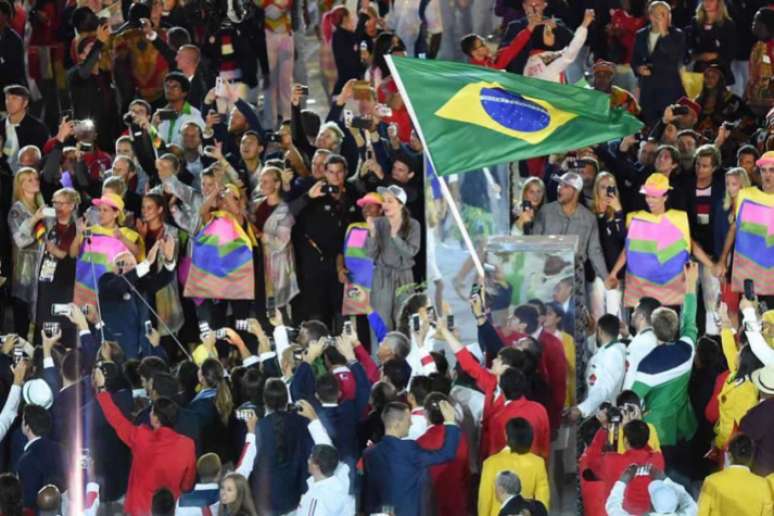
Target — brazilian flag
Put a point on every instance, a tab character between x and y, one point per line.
471	117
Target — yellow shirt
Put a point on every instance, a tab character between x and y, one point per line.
735	491
735	398
202	353
569	353
531	470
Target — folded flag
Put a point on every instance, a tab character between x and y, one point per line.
754	246
508	116
221	261
657	249
97	256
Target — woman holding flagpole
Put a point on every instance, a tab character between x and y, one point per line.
28	228
658	245
393	241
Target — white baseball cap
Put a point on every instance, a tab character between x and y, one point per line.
394	190
572	179
37	392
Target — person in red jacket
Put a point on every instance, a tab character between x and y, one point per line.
514	385
479	54
486	380
609	465
451	479
160	456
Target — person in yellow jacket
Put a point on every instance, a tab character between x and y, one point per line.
736	490
516	457
738	393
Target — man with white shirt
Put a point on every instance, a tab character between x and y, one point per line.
605	371
328	485
420	387
176	88
644	341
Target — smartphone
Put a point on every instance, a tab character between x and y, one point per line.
431	314
383	111
49	212
305	91
526	205
680	110
221	333
348	327
392	130
148	327
422	55
85	309
60	309
330	189
220	90
209	150
50	328
450	322
611	191
363	46
749	289
204	329
245	414
294	407
271	305
415	322
273	137
86	146
361	122
166	114
85	458
241	324
18	353
369	154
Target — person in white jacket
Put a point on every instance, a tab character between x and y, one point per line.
667	498
11	407
753	329
328	485
644	341
550	65
605	371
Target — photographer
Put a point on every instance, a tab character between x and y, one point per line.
322	217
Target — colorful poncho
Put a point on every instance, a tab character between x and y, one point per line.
97	256
657	248
754	247
222	261
361	271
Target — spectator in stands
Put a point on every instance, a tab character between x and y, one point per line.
19	129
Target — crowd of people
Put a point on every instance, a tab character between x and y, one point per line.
215	300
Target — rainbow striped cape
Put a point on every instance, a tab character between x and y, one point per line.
95	259
222	261
657	248
357	291
754	247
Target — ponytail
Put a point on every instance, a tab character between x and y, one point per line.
214	377
405	223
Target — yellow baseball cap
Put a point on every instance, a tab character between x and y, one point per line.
656	185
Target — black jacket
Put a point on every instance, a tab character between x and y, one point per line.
517	504
663	86
30	131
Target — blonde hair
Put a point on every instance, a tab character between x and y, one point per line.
702	15
72	195
728	202
659	3
595	193
18	195
526	184
116	184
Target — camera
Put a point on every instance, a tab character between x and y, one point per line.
613	413
294	407
330	189
128	119
60	309
273	137
292	333
241	324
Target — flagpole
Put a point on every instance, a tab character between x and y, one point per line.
441	180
